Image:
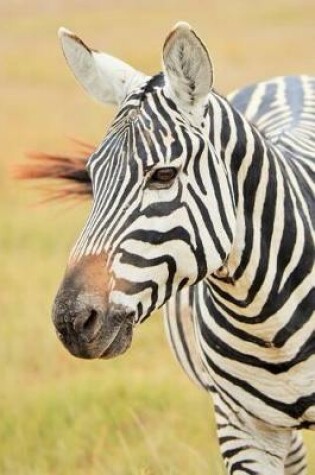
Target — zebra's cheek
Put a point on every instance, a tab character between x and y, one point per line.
151	197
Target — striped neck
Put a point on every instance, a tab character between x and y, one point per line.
273	240
255	171
240	145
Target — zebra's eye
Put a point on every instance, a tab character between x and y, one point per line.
162	177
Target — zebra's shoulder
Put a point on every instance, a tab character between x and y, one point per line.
280	106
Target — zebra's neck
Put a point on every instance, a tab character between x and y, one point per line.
256	171
241	147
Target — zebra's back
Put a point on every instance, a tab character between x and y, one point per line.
283	109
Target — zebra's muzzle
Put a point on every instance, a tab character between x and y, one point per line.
86	322
88	329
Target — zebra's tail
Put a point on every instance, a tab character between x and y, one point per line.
64	176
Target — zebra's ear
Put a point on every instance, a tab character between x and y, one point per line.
187	67
105	78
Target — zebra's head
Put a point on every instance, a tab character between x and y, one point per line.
162	216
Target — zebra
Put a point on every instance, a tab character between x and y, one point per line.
204	206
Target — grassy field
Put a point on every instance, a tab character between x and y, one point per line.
136	415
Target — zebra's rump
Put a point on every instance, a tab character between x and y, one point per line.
283	109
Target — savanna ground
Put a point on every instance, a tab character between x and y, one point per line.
136	415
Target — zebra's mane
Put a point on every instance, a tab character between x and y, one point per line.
156	81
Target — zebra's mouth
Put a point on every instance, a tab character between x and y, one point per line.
117	343
120	343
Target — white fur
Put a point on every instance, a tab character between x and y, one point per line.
105	78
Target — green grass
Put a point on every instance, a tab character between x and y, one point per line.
136	415
88	425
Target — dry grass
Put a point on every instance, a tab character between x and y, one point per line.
61	416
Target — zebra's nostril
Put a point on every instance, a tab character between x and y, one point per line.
90	322
87	324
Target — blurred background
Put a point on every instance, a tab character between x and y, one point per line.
139	414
